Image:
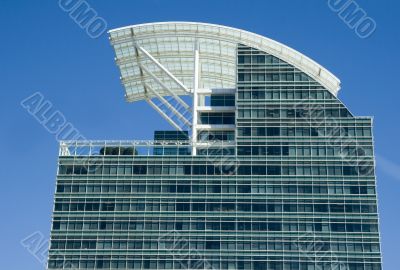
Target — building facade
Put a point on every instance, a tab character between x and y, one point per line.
266	168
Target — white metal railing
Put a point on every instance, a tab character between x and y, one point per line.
134	147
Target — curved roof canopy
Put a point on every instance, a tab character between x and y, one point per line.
155	57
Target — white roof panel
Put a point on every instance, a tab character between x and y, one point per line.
172	44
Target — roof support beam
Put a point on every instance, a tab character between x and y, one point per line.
183	121
169	106
183	103
138	60
163	114
195	95
180	84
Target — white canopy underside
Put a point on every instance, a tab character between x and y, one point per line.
172	45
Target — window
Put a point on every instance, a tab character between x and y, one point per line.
217	118
272	131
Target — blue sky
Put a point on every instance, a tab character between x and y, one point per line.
43	49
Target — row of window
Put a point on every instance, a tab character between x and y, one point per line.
199	262
175	151
259	59
298	114
215	226
229	169
273	238
215	135
265	75
283	93
307	151
217	118
288	245
331	132
313	87
217	200
222	100
216	151
186	187
217	207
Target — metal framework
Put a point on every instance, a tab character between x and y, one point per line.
164	107
169	46
143	147
160	62
196	78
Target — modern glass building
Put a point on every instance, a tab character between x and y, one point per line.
264	167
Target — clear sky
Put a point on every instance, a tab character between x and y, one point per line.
43	50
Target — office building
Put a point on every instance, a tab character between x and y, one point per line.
263	168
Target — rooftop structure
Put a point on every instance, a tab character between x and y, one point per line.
265	168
